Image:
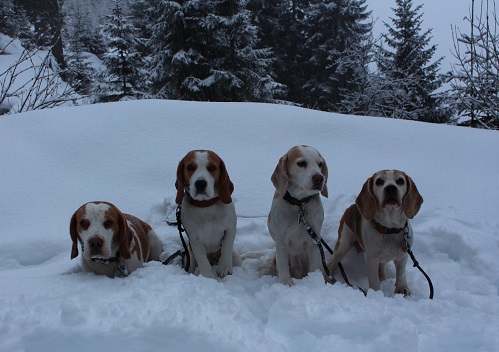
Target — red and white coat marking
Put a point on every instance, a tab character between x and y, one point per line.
204	191
104	232
302	172
390	198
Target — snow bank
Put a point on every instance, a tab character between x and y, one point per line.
127	153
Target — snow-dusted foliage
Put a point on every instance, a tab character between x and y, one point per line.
406	68
209	50
123	62
475	77
333	32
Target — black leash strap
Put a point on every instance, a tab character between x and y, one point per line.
407	247
320	243
185	252
416	264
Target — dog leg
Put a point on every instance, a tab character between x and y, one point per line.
341	249
225	263
199	252
372	268
282	260
400	280
382	271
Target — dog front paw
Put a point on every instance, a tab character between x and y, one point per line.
224	270
403	290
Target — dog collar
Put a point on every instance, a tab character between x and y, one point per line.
202	203
387	230
299	202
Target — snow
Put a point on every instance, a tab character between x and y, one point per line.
127	153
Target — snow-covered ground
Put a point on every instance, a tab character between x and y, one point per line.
127	153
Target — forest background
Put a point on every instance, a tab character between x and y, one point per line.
316	54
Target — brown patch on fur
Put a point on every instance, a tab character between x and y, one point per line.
352	218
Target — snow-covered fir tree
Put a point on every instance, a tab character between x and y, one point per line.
335	32
208	50
122	60
409	75
78	72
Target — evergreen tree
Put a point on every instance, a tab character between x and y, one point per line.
410	76
122	60
207	50
78	73
336	33
7	25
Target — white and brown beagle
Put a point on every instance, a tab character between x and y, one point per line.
112	243
208	214
299	178
377	224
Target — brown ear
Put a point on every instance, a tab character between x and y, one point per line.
225	185
124	237
280	177
325	173
74	236
180	182
412	200
366	202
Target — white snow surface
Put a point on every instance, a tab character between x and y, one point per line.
127	153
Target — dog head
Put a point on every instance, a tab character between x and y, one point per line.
302	171
389	189
101	229
202	173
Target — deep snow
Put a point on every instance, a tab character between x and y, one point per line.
127	153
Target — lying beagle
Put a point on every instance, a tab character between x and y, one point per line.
208	214
377	224
299	178
112	243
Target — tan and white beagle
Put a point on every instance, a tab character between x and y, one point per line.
299	178
204	191
112	243
377	224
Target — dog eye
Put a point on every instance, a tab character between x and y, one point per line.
400	181
212	168
108	223
320	164
190	167
302	163
84	224
380	182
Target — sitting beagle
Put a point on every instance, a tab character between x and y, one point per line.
299	178
378	225
208	214
112	243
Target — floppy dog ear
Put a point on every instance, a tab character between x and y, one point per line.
180	182
412	200
325	173
280	177
366	202
74	236
225	185
124	238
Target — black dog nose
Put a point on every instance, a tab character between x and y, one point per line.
200	185
391	190
95	242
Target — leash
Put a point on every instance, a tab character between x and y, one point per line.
185	252
407	248
321	243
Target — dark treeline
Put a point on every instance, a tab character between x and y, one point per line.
313	53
